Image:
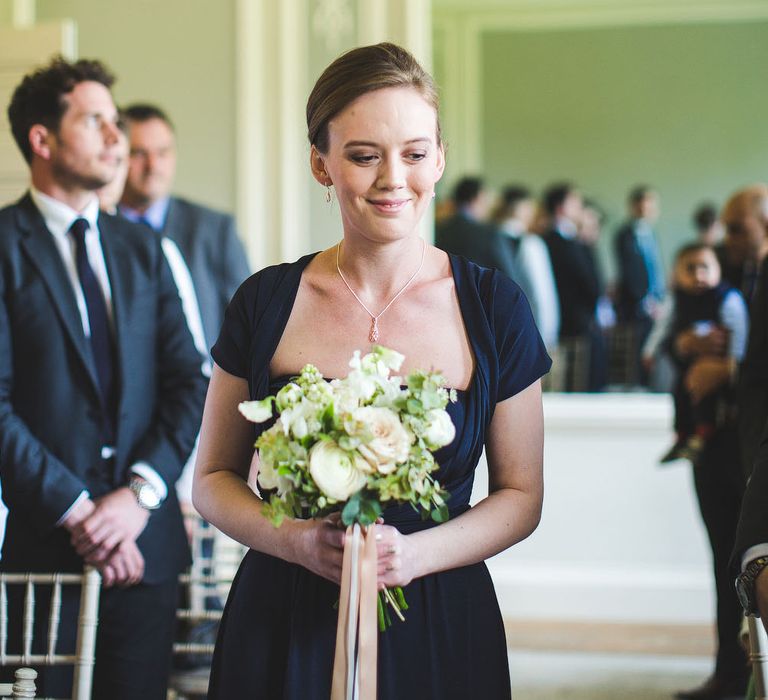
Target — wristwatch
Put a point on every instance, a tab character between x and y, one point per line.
745	585
146	494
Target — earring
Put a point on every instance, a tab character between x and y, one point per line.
328	194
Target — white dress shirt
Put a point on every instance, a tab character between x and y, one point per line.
58	219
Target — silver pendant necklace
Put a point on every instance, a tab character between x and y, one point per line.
373	334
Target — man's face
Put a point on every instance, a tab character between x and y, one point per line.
745	231
647	208
152	165
84	150
697	271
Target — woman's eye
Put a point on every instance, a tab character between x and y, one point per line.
363	158
419	155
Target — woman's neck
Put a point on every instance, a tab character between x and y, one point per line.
376	270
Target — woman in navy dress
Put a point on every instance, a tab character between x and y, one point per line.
375	138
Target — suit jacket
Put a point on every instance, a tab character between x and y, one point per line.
51	420
753	424
633	281
214	255
578	283
479	242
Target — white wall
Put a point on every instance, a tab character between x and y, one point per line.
620	538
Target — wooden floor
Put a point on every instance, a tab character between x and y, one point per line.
662	640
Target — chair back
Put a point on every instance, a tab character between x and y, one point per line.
85	648
205	587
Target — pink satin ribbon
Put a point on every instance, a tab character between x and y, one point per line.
357	627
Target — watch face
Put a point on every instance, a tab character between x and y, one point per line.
148	497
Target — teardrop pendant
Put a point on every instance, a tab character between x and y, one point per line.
373	336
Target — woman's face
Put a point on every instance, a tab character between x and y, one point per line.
383	160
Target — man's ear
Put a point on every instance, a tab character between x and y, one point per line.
317	164
40	141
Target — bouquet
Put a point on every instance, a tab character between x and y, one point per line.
355	445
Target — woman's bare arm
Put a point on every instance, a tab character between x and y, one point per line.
509	514
222	496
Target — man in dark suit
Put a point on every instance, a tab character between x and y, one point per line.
207	239
467	234
101	388
640	276
578	282
747	222
719	476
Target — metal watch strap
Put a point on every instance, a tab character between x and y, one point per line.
748	578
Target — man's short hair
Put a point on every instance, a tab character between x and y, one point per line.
690	248
143	111
704	216
555	195
467	190
40	97
638	193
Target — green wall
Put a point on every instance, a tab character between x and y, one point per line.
181	55
684	108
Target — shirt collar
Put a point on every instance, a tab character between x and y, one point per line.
154	214
566	228
59	217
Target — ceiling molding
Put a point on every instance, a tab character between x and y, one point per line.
522	15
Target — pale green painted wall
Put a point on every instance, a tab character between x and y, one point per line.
180	54
684	108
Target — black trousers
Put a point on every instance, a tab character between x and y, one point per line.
134	641
719	483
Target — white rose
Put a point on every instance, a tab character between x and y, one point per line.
256	411
440	429
335	471
390	443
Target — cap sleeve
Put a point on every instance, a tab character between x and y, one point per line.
232	349
522	355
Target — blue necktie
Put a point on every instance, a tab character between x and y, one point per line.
101	336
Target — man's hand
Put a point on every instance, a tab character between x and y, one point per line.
688	343
78	514
123	567
117	517
707	375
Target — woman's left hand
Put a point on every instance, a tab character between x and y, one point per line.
397	557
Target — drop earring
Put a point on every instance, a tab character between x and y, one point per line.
328	194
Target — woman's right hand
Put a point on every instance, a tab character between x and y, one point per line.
318	545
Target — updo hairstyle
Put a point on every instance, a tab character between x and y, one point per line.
357	72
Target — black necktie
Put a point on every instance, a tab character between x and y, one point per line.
101	337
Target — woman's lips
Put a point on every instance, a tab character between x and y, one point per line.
388	206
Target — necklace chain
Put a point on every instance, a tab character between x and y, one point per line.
373	334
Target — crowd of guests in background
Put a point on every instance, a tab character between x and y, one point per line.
599	333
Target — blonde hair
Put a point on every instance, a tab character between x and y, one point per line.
357	72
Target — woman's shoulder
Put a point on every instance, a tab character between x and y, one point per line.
263	284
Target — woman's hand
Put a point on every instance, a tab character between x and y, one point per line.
397	557
319	546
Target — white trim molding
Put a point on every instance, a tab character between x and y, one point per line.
271	164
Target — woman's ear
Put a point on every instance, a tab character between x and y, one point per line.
440	165
317	165
39	141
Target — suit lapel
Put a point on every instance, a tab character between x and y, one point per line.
43	254
177	227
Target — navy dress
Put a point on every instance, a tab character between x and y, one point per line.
276	639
